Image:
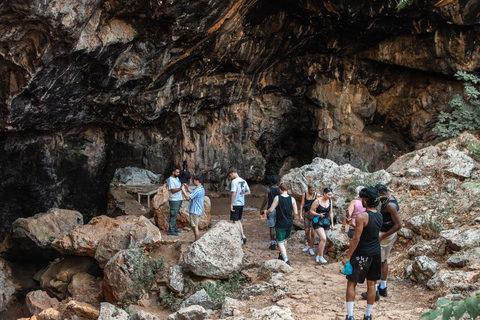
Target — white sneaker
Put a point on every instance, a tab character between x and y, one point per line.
322	260
317	259
306	249
311	252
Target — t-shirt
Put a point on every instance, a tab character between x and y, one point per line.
239	186
185	176
174	183
196	202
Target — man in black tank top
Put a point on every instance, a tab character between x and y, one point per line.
272	191
286	207
364	252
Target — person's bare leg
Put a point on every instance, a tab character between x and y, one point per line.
310	237
272	234
322	241
239	227
384	270
196	233
283	249
370	292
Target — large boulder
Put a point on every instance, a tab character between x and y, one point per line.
217	254
58	276
190	313
109	312
175	278
130	274
161	211
200	298
424	268
31	238
273	312
81	310
135	176
37	301
462	240
8	287
103	237
337	241
87	288
451	155
445	279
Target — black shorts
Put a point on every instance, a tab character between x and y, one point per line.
236	214
365	267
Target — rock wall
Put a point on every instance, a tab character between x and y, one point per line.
89	86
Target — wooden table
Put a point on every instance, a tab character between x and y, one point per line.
146	193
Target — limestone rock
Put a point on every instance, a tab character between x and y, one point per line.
200	298
37	301
273	312
405	233
81	310
103	237
110	312
130	274
50	314
277	265
142	315
229	306
462	240
445	279
56	279
135	176
412	172
87	288
424	268
162	212
336	240
190	313
257	289
416	223
217	254
31	238
420	184
422	248
7	293
461	259
175	278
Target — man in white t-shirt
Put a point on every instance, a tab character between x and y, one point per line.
239	189
174	200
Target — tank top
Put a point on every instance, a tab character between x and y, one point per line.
271	194
309	201
369	244
356	210
326	210
387	218
284	215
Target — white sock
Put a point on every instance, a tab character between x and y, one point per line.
243	236
368	311
285	258
383	284
376	287
350	305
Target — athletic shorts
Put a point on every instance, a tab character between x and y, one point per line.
307	219
194	218
365	267
236	214
387	245
318	226
282	234
271	219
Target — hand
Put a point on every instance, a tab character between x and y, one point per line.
343	229
382	236
345	260
231	208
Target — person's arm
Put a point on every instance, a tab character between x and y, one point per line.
302	203
232	200
247	191
174	190
392	209
331	213
273	206
185	193
265	201
361	220
314	207
294	203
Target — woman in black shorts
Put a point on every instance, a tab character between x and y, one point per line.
307	199
322	210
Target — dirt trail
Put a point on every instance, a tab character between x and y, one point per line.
316	291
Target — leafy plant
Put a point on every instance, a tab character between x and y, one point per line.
403	4
170	301
464	114
448	308
218	291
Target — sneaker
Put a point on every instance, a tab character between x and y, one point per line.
178	231
244	239
382	292
367	317
317	259
280	257
349	318
273	246
377	295
172	233
312	253
306	249
323	260
288	262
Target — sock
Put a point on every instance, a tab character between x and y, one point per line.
368	311
350	305
243	236
383	284
376	287
285	258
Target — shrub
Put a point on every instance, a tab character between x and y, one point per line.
457	309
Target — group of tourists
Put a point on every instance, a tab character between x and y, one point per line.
372	234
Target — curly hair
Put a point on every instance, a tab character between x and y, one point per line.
371	196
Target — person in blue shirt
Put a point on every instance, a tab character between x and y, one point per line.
174	200
196	202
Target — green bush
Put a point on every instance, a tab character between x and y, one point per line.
464	115
448	308
403	4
